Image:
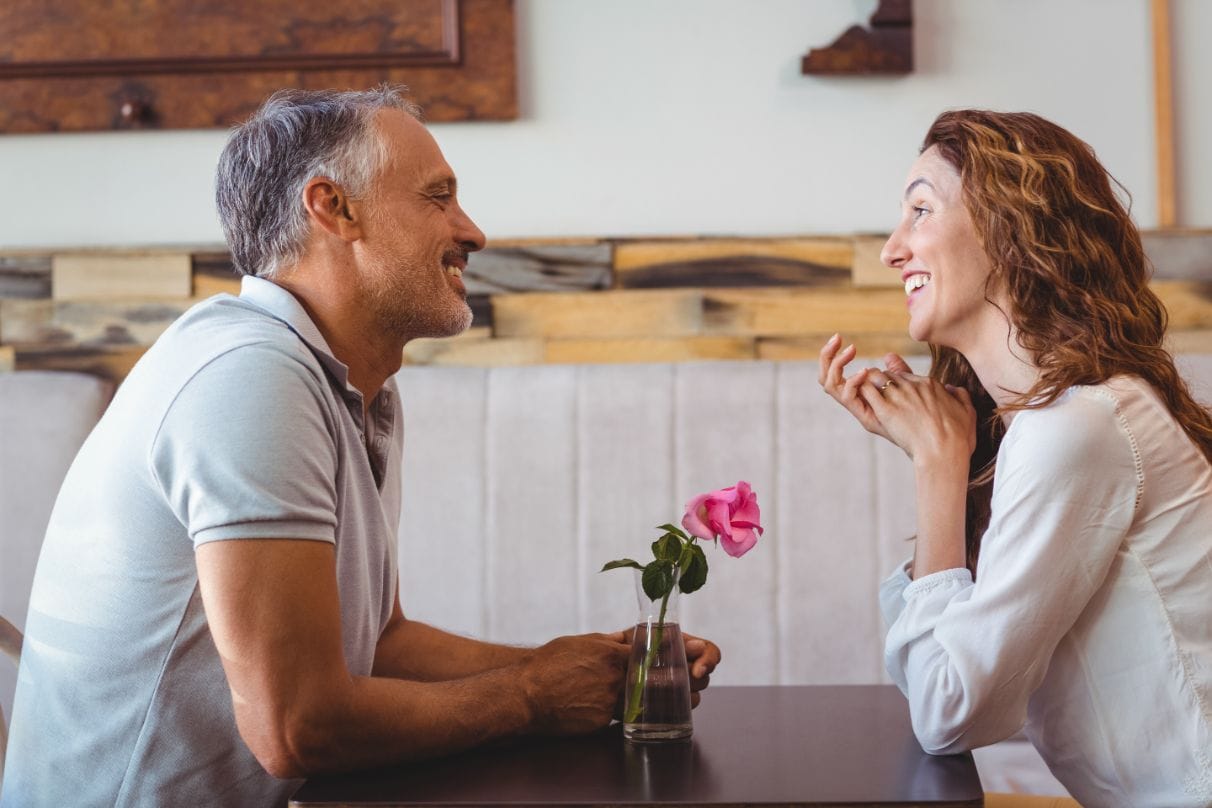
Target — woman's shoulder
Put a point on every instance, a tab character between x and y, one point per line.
1079	407
1106	403
1085	423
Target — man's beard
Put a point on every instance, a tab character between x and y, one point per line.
389	299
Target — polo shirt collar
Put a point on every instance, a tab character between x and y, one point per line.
281	304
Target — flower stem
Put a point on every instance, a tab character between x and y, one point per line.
635	705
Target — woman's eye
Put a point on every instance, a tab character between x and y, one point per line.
919	212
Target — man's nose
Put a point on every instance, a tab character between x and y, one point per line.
470	237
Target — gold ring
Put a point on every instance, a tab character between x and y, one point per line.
885	385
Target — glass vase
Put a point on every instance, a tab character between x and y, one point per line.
656	705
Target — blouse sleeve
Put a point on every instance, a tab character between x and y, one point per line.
969	655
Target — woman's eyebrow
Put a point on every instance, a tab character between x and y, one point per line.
917	182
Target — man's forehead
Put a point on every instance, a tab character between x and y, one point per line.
412	148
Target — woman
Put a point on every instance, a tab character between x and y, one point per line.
1061	580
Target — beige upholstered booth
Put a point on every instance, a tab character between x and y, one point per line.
520	482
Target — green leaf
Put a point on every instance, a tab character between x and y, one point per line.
694	574
620	563
674	529
667	548
657	579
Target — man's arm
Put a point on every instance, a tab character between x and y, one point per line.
274	613
409	649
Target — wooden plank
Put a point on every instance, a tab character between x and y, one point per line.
8	358
112	364
607	314
868	270
732	262
1180	254
99	324
555	267
1189	342
619	351
214	274
118	276
206	285
1189	303
1163	113
25	276
802	312
545	241
474	348
870	346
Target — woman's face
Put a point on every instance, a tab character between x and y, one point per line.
935	250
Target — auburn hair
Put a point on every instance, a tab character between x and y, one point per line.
1063	246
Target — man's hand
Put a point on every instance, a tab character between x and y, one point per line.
573	683
701	656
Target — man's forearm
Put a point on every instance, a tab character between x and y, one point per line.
409	649
377	721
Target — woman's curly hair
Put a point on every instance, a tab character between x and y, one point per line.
1064	247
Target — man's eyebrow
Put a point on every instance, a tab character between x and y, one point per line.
917	182
444	184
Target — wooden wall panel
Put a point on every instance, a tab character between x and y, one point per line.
562	301
70	65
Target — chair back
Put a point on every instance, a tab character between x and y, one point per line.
10	646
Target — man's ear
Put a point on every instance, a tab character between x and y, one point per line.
331	210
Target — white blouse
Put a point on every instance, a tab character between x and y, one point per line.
1090	621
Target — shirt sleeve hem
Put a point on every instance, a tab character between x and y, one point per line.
306	531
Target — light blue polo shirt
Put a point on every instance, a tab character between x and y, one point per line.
238	423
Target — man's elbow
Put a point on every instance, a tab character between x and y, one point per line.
288	748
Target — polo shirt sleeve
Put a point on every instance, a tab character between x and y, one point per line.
968	655
246	450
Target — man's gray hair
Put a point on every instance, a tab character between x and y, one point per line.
295	136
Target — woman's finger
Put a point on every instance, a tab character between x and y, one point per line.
835	376
849	392
896	363
827	352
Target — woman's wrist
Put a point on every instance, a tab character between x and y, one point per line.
942	489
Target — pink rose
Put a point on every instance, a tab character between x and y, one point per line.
731	514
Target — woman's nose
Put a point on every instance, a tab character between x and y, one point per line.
895	253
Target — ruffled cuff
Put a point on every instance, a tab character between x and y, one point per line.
892	590
956	578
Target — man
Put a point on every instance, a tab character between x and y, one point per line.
215	612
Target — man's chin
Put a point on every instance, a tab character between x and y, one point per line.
458	323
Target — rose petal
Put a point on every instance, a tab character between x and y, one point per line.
748	513
693	520
729	494
719	517
740	542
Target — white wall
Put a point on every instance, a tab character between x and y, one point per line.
691	117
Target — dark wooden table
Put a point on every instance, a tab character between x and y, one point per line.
786	746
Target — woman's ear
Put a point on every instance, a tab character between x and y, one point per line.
330	209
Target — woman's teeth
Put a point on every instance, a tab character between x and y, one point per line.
915	282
